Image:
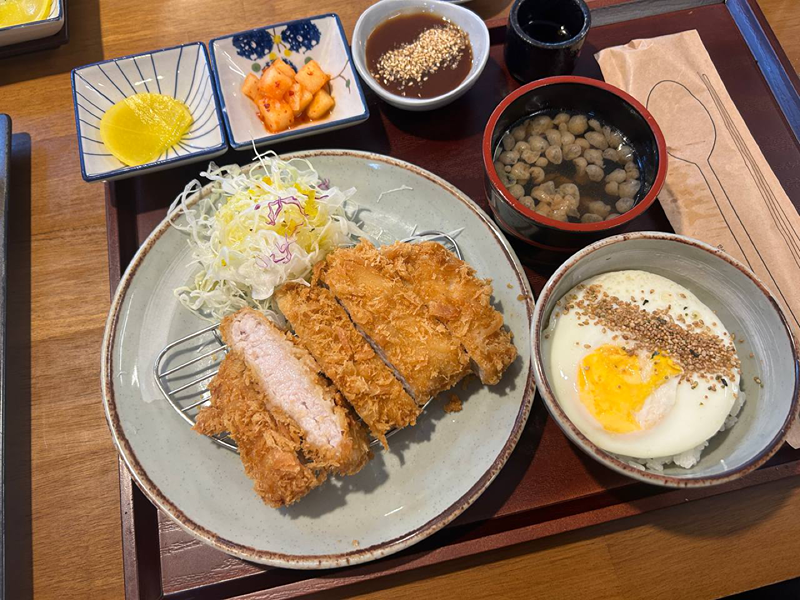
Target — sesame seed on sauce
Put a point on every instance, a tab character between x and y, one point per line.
419	55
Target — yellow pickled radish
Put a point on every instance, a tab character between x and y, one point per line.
138	129
16	12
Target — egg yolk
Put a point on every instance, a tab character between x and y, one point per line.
613	387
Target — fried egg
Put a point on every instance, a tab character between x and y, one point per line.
627	400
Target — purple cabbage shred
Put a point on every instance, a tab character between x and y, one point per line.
284	254
276	206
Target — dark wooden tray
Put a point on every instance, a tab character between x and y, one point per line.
548	485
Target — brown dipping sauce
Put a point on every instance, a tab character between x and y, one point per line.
434	62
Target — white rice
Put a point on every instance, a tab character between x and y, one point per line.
691	457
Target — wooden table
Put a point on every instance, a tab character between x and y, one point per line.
63	522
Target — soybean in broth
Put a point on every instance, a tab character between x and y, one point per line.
621	167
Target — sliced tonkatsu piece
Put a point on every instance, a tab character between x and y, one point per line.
324	328
423	353
457	298
294	390
268	447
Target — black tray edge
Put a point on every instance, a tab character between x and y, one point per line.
5	159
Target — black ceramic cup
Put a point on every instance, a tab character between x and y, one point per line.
544	37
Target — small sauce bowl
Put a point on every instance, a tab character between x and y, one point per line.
467	20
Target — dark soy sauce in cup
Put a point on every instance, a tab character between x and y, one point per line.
544	37
546	31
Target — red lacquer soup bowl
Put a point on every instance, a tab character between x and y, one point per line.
596	99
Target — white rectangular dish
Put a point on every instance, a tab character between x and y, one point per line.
320	38
35	30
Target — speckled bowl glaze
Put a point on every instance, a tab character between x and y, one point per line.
745	306
432	472
467	20
320	38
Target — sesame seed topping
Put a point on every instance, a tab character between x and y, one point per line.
695	347
433	49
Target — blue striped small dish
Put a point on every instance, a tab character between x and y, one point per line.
181	72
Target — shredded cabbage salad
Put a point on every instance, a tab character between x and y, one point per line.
257	230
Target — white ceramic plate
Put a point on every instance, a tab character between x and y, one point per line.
432	472
181	72
320	38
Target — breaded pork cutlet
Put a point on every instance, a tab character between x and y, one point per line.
457	298
324	328
425	356
268	447
295	391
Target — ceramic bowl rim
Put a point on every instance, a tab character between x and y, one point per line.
360	555
542	221
513	21
291	133
30	24
127	170
606	458
418	103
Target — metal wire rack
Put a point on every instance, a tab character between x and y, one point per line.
184	368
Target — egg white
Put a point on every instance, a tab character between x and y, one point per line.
691	416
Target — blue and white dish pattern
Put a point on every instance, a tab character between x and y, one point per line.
182	72
319	38
35	30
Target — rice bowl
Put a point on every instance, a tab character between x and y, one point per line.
642	367
769	367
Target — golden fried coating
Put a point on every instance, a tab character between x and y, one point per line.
294	390
423	353
268	447
457	298
324	328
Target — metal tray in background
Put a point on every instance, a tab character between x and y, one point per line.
548	486
5	187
